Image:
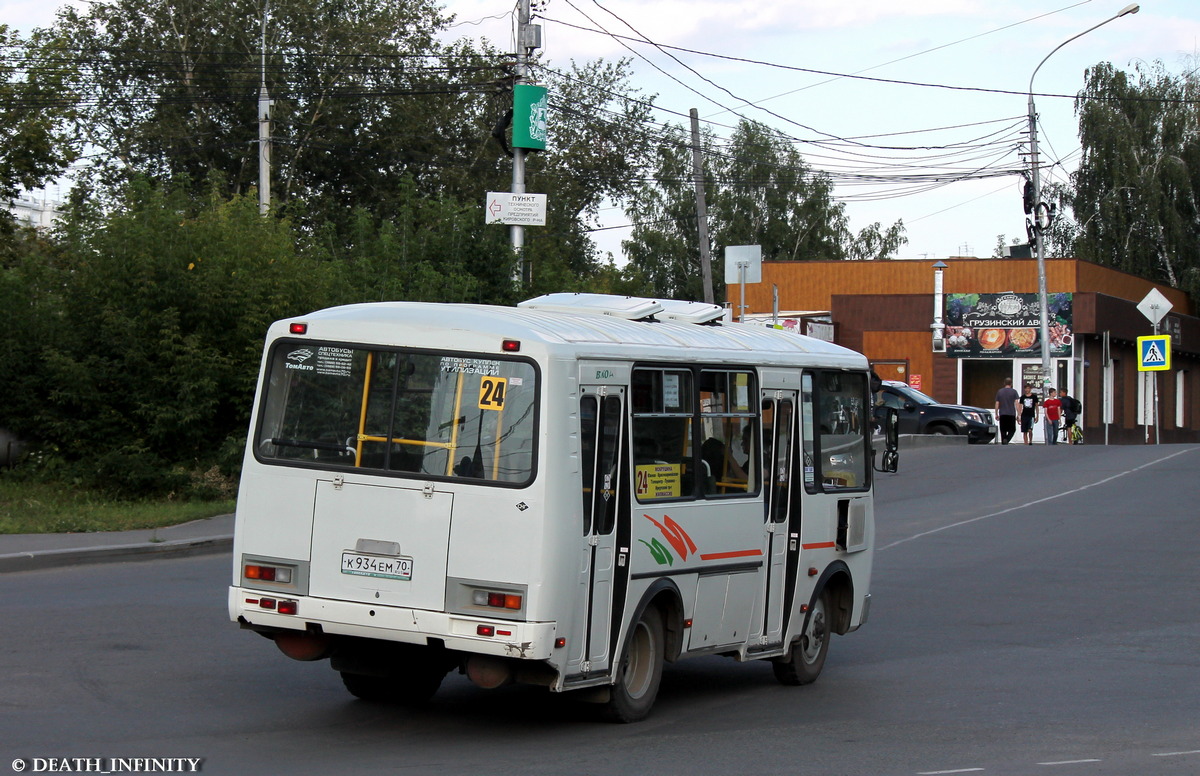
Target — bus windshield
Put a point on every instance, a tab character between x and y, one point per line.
399	412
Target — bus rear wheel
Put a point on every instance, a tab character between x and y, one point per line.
803	663
640	671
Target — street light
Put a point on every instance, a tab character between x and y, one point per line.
939	328
1041	213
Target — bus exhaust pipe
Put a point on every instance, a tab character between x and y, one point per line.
489	672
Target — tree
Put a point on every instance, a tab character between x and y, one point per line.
34	110
759	191
597	151
662	251
364	95
768	196
1136	189
149	327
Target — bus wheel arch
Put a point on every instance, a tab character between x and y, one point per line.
654	637
840	586
829	611
665	596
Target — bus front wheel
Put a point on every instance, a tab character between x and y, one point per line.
803	663
640	670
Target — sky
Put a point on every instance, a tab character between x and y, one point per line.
948	99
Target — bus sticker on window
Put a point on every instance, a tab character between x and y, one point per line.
470	366
670	389
336	362
296	359
491	393
657	480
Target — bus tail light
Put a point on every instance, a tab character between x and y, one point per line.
298	328
496	600
264	573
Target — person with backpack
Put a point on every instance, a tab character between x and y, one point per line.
1071	409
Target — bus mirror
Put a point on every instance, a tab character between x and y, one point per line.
891	428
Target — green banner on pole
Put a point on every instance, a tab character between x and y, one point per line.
529	117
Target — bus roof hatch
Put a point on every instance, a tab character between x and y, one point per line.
629	308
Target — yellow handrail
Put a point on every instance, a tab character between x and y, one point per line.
362	416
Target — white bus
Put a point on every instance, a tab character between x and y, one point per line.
566	493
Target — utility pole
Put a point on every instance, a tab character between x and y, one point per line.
529	38
701	208
264	127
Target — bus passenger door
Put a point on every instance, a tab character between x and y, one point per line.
601	417
779	422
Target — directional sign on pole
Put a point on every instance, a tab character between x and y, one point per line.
1154	353
504	207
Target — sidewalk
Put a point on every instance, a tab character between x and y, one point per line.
27	552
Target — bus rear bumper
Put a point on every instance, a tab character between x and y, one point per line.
478	635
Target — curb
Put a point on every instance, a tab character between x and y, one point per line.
119	553
910	441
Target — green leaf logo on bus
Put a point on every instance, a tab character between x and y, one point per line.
675	536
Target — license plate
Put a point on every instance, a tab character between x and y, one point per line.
375	566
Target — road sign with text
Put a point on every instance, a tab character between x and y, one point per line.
504	207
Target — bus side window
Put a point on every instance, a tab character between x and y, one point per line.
662	409
728	418
587	445
842	460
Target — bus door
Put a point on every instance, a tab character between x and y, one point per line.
601	418
779	422
834	489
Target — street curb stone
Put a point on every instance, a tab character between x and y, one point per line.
178	548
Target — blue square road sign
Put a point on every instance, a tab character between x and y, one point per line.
1154	353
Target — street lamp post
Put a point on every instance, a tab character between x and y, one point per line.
1041	213
939	328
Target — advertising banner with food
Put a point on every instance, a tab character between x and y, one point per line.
1006	325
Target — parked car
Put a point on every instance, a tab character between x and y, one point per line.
919	414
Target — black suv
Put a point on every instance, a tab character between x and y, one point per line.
919	414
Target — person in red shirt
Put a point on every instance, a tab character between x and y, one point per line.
1052	411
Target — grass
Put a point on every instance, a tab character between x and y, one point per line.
43	507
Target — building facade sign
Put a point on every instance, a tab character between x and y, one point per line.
1006	325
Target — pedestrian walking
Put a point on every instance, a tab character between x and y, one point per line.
1006	411
1029	404
1051	410
1071	408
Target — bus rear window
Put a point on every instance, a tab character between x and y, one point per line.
422	414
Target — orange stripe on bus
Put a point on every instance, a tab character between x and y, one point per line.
734	554
819	546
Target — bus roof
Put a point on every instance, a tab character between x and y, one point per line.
583	334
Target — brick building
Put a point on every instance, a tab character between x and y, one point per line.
885	310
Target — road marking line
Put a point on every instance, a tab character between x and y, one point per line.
941	773
1034	502
1175	754
1072	762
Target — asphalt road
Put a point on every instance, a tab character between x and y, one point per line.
1034	613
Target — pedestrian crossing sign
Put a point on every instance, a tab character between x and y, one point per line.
1154	353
